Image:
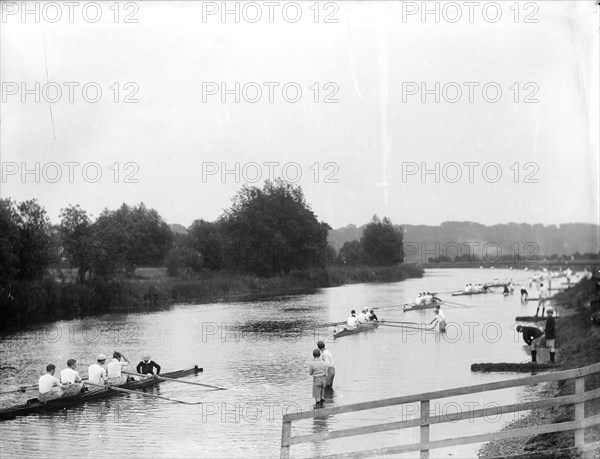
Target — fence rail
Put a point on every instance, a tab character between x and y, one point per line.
578	425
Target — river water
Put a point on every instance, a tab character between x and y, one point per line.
266	372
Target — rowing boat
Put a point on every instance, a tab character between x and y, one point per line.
354	331
416	307
470	293
33	405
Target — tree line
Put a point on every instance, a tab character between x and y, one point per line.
266	231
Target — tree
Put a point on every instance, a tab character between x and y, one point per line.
128	237
381	243
35	250
76	234
350	253
207	239
272	230
9	241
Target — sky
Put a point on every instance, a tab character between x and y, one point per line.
486	113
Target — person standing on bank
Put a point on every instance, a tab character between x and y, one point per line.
550	333
542	297
328	359
318	371
532	336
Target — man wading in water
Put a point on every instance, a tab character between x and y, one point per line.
329	368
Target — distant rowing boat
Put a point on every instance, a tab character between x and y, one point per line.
359	329
34	405
471	293
417	307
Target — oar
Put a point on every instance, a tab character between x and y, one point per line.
177	380
397	322
22	389
332	324
120	389
407	326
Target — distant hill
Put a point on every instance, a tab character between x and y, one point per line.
178	229
422	242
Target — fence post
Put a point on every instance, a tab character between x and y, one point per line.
424	428
286	433
579	411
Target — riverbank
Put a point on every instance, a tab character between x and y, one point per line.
578	264
27	303
578	345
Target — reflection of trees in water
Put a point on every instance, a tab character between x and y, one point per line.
273	326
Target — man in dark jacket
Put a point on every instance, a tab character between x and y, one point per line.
550	333
532	336
147	366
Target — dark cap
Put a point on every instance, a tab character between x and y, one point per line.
320	344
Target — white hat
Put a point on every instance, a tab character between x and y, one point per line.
101	357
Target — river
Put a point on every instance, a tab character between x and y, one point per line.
266	372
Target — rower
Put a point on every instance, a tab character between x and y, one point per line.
372	316
97	372
49	386
419	299
363	318
71	377
147	366
115	367
352	321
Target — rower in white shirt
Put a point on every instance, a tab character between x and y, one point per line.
50	387
363	317
352	321
71	377
97	372
115	367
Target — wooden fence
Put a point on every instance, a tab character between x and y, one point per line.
425	444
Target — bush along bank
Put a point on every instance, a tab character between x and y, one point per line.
579	336
27	303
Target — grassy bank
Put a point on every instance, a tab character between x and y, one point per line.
27	303
580	346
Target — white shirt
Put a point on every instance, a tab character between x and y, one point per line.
96	374
47	382
363	318
327	358
114	367
419	299
352	322
543	293
68	375
440	314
